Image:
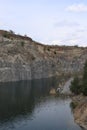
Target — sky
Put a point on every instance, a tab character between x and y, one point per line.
61	22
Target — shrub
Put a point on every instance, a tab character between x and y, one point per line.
80	85
22	43
48	49
73	105
11	32
75	87
85	79
33	58
54	52
6	35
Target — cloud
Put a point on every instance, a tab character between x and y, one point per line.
65	23
77	8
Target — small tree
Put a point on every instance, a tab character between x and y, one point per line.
85	79
12	32
22	43
75	87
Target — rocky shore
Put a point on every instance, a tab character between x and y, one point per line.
80	110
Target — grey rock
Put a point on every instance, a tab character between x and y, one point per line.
34	60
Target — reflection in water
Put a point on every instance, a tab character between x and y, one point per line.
28	101
19	97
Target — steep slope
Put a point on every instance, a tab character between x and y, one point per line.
21	58
80	112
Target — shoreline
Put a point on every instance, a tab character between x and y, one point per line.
80	110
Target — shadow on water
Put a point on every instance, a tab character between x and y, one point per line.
19	98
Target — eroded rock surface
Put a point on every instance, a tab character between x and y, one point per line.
80	112
21	58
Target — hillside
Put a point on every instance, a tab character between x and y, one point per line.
21	58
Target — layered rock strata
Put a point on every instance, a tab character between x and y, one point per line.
21	58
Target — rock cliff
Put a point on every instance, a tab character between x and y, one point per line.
21	58
80	111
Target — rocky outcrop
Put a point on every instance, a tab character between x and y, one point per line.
21	58
80	111
52	91
66	87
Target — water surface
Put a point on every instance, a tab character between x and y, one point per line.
27	105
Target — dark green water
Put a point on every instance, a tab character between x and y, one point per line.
28	106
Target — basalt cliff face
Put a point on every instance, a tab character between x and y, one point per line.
21	58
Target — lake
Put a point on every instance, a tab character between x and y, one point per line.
27	105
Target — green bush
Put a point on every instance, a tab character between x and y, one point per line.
75	86
6	35
80	85
85	79
11	32
54	52
73	105
22	43
48	49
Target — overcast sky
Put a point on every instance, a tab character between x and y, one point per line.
62	22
